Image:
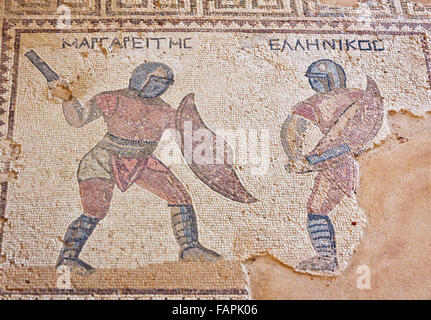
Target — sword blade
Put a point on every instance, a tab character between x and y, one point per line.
42	66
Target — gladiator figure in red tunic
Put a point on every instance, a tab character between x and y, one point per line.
349	119
136	118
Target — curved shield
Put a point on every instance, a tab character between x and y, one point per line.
214	168
355	128
367	121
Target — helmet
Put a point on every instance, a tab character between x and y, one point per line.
151	79
325	75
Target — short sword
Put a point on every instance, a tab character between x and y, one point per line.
42	66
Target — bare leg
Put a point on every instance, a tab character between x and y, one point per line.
96	195
323	199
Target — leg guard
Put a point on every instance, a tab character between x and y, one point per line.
74	240
322	235
186	234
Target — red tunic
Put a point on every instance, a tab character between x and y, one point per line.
126	168
324	110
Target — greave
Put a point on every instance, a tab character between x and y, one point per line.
322	235
75	238
186	234
184	226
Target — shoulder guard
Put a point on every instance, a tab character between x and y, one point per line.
107	102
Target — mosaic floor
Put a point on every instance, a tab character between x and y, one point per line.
215	149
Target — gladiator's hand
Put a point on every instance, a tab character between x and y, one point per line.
60	89
298	166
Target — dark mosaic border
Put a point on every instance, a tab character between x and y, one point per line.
378	9
135	11
49	7
124	291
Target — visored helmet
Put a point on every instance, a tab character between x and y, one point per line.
325	75
151	79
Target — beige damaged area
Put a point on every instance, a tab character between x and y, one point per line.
395	186
169	278
9	152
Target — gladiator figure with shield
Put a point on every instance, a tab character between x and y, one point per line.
348	120
136	118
